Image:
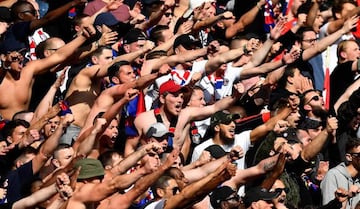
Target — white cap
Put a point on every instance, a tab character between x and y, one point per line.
194	4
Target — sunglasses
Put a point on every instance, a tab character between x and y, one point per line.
279	190
355	155
168	14
315	98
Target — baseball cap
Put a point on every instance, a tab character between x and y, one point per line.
171	87
223	117
187	41
257	193
194	4
134	35
216	151
158	130
89	168
220	194
106	18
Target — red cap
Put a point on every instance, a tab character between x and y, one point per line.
171	87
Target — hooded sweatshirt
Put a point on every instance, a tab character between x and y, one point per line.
335	178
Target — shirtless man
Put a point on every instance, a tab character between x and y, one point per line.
171	114
17	80
86	86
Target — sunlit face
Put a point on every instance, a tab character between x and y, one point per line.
296	79
227	132
135	46
173	103
105	58
171	190
126	74
351	51
208	10
280	200
319	21
14	62
314	99
151	162
51	125
110	134
293	118
17	135
346	9
309	40
64	157
166	18
197	99
355	157
304	137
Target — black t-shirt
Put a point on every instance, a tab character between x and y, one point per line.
340	79
19	182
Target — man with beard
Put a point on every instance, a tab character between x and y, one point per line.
313	105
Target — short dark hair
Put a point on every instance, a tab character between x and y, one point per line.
113	70
106	157
155	34
10	126
161	183
155	54
61	146
352	143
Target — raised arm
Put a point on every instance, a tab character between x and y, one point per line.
288	58
198	190
212	20
244	20
315	146
54	14
42	65
48	147
328	40
35	198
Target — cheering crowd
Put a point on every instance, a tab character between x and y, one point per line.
205	104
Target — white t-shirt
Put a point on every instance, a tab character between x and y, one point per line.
216	89
242	139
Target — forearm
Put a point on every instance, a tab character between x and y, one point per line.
275	173
129	161
214	63
59	11
244	21
260	54
52	142
45	103
186	57
311	15
36	198
203	171
311	150
205	23
88	144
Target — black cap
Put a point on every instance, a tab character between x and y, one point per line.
134	35
216	151
257	193
106	18
222	117
220	194
187	41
